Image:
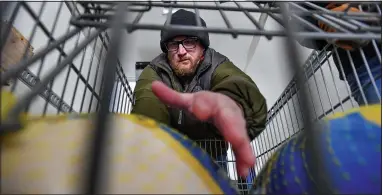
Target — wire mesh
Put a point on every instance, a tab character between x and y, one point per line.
349	24
77	51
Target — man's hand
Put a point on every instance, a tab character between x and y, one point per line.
226	115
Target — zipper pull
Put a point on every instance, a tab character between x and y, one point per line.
180	117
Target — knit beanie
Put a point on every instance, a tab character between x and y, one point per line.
183	17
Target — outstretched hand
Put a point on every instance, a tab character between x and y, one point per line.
226	115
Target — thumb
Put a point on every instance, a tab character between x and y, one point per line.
171	97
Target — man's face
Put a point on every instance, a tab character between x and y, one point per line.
184	54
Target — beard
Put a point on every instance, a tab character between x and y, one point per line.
182	70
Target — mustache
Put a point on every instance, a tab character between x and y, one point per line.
182	59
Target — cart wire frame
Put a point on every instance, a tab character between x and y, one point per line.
307	98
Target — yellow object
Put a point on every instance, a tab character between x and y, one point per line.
8	100
372	113
49	156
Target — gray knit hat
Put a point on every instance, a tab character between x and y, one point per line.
183	17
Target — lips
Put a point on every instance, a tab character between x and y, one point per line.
184	62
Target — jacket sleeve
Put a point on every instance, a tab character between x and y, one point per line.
231	81
146	103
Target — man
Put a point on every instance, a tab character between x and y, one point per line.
198	91
354	61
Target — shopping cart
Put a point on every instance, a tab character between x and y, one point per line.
80	41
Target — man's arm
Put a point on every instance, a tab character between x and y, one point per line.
146	103
232	82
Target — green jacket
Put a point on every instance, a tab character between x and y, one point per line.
224	78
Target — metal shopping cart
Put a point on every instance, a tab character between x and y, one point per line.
81	41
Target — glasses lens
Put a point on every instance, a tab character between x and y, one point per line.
172	46
190	43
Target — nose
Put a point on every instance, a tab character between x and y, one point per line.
181	50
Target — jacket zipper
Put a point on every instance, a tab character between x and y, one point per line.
180	115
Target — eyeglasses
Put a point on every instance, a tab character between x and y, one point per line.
188	43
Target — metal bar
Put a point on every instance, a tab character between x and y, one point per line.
319	35
295	111
342	72
291	117
364	27
19	67
203	7
49	41
31	37
317	88
232	8
113	4
338	13
377	51
119	98
275	132
5	31
95	82
94	179
225	19
123	103
254	21
126	107
100	91
115	87
341	22
88	76
378	8
323	19
127	89
68	73
333	80
62	52
325	85
121	75
311	95
308	74
278	145
15	111
50	85
306	23
78	78
31	80
43	58
268	135
315	163
169	16
366	64
135	22
356	76
197	18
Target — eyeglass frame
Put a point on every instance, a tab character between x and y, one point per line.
182	43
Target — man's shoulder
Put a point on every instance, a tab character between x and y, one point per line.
217	58
160	62
158	59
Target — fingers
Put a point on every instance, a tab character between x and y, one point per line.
204	106
226	115
233	127
171	97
